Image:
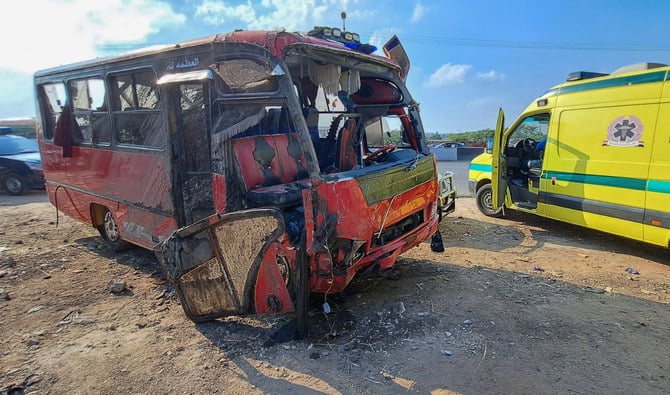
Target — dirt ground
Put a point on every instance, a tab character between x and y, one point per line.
522	305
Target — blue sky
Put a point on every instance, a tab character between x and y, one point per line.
468	57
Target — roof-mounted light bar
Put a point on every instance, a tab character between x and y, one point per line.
584	75
349	39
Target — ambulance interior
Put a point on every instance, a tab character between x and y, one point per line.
524	155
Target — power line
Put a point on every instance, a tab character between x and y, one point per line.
466	42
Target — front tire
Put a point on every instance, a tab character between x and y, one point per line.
484	201
15	185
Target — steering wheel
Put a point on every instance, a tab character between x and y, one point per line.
382	153
529	145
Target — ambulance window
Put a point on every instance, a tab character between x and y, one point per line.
533	127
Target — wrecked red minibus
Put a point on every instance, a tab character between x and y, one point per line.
259	166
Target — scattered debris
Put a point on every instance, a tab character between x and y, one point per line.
31	380
4	295
594	290
539	269
467	322
447	334
630	270
399	308
73	318
436	243
447	353
46	274
35	309
583	255
116	286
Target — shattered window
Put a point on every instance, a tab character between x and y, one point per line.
90	110
385	130
194	127
250	120
137	116
135	91
53	99
245	76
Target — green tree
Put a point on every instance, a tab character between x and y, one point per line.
435	136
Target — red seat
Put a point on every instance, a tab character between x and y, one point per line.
348	157
269	167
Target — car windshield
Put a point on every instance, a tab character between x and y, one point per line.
12	145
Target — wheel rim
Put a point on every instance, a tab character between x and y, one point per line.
487	200
14	184
111	230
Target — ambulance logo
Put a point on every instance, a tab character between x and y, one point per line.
625	132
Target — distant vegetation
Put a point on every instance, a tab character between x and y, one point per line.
472	139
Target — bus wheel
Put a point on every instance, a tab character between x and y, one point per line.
484	200
110	232
15	185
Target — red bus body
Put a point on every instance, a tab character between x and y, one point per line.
259	166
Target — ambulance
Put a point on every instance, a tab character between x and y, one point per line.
593	151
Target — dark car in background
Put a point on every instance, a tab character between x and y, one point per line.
20	164
449	144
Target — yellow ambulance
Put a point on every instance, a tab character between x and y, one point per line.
593	151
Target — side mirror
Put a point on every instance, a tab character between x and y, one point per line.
489	144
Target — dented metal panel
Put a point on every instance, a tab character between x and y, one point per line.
214	263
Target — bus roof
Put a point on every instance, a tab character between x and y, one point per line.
277	42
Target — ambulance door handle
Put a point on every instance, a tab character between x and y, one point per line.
553	180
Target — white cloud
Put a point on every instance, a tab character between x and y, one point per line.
491	76
417	14
448	74
218	13
292	15
62	31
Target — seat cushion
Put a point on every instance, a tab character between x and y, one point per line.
283	195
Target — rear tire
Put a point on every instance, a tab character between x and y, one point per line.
109	231
14	184
484	200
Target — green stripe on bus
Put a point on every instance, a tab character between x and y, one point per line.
480	167
647	78
609	181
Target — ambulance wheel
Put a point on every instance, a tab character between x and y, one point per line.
484	200
109	231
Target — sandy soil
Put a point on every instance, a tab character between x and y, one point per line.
522	305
